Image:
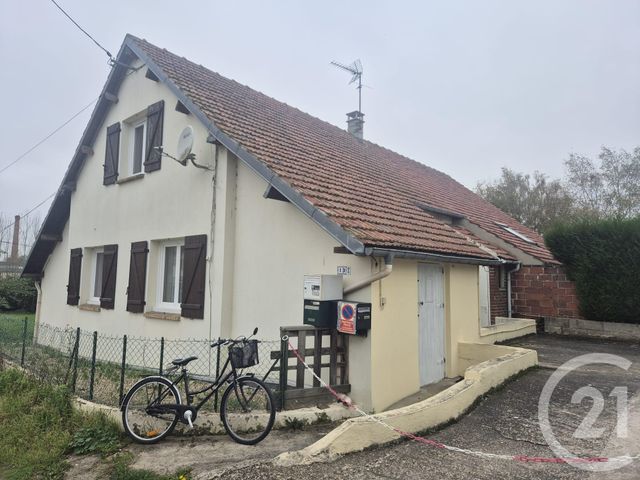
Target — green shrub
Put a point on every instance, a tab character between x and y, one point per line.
99	435
603	259
17	294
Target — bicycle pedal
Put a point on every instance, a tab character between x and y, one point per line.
187	416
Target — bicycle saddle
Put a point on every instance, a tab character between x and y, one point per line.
181	362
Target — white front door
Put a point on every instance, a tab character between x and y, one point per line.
431	323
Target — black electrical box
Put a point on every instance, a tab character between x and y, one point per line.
320	313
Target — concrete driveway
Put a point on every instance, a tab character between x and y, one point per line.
506	422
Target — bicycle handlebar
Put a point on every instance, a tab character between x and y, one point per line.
228	341
225	341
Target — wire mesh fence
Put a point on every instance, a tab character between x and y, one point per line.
102	368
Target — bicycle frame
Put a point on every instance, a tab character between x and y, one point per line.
215	386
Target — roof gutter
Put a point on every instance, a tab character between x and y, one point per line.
432	257
350	242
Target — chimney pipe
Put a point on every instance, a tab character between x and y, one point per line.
355	124
16	239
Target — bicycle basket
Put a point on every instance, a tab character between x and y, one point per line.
244	356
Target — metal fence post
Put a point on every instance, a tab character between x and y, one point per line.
215	398
284	364
75	361
122	368
161	355
93	364
24	341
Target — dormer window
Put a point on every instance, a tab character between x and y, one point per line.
512	231
445	216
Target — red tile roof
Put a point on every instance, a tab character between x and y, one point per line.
368	190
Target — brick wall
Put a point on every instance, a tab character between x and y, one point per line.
543	291
498	296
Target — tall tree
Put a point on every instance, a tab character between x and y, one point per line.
533	200
608	190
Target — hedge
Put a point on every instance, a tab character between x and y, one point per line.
603	259
17	294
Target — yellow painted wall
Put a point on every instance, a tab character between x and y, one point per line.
394	339
461	310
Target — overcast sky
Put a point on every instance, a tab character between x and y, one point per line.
466	87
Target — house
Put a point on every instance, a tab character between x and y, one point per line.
137	243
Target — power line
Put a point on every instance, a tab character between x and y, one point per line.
27	214
84	31
47	137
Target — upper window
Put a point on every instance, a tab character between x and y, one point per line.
96	276
512	231
170	275
137	147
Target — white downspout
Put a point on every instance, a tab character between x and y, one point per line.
36	324
388	268
509	308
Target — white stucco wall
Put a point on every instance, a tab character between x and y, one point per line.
172	202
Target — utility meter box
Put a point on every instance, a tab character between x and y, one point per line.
320	314
322	287
354	318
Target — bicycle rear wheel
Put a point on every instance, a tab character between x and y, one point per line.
247	410
147	415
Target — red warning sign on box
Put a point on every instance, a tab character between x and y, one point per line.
346	318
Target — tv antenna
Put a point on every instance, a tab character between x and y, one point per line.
354	69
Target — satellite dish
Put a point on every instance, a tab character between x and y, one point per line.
185	144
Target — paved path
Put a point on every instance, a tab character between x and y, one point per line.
505	422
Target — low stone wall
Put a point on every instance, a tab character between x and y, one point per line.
506	329
590	328
497	364
209	423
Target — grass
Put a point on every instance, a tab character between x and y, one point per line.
11	325
40	426
40	429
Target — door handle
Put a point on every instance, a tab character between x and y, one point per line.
421	303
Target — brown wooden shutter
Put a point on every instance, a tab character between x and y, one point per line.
109	270
193	276
137	277
155	121
73	287
111	155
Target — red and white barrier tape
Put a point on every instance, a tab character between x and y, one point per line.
347	402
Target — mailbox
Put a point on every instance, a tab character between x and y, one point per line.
354	318
320	314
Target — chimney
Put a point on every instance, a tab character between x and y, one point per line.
16	239
355	124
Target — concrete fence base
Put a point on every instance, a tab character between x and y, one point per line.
590	328
209	423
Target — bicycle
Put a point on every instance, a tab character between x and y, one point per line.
152	407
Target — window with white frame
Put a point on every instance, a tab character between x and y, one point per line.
170	268
97	263
137	135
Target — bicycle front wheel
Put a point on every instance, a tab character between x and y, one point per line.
247	410
149	410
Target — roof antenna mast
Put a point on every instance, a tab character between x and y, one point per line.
355	69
